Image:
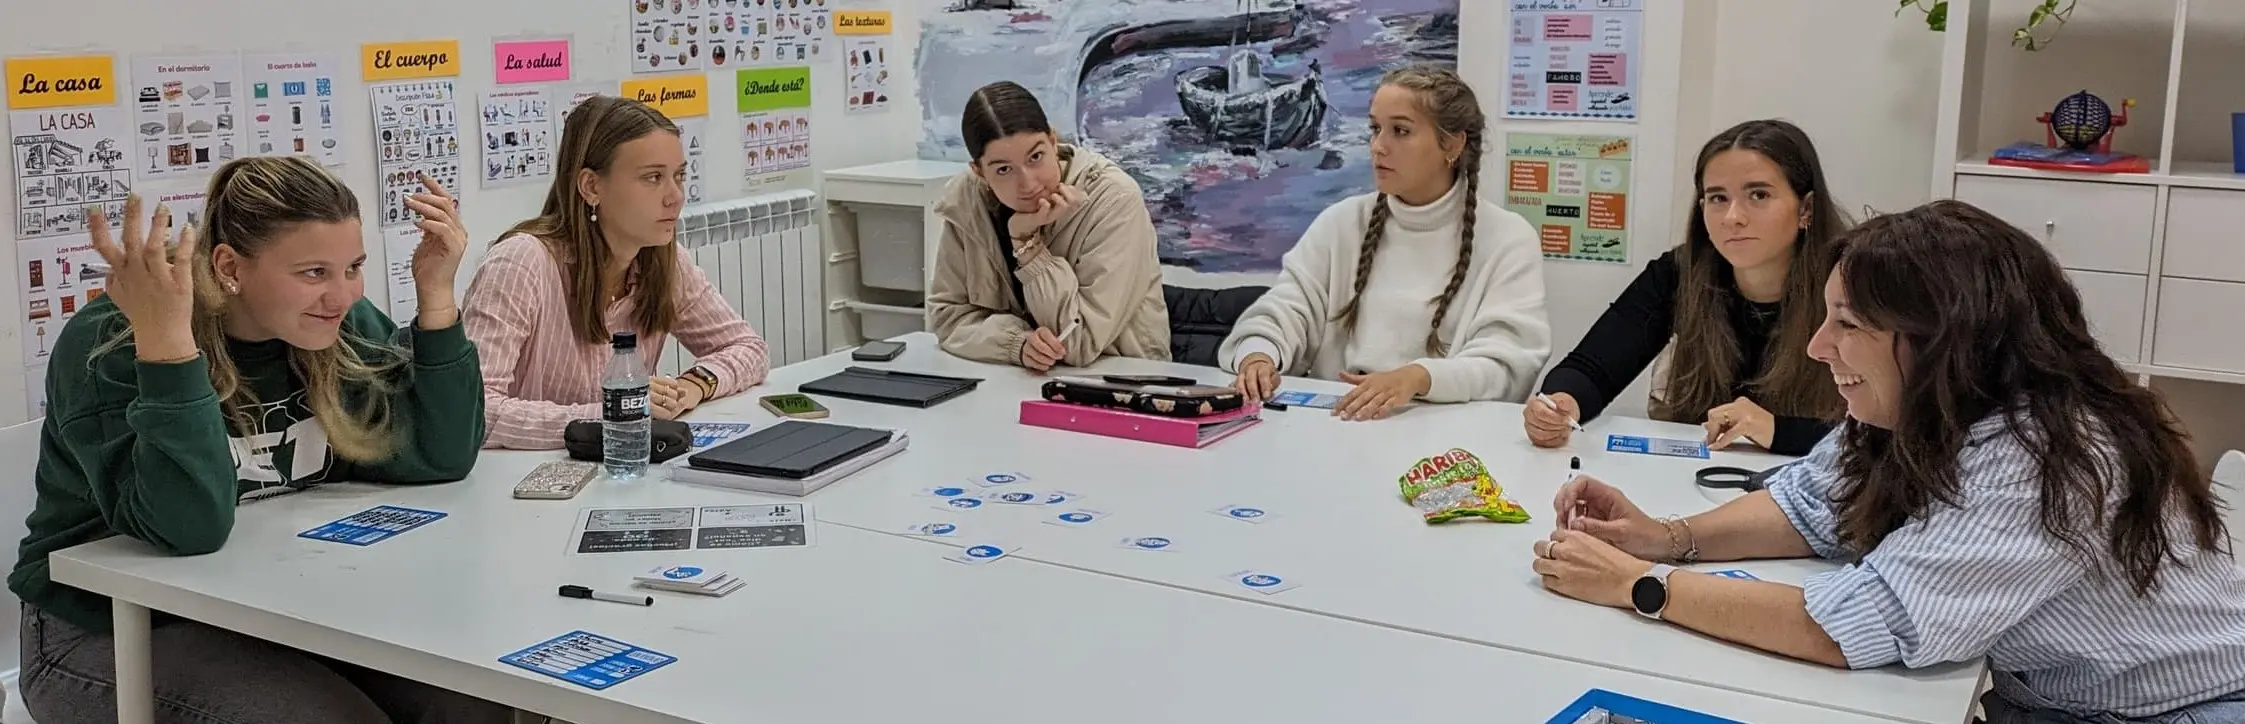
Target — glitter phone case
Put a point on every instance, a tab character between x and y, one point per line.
557	480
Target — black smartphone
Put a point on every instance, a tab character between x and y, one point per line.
877	351
1150	380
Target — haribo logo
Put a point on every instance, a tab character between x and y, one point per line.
680	573
1259	580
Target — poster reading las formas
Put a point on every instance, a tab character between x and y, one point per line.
1575	59
1574	190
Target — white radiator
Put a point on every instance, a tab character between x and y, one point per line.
765	254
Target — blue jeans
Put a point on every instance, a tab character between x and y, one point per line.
2010	702
208	675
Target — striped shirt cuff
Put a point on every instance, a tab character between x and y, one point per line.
1858	612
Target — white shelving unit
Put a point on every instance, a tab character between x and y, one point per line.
2159	257
881	243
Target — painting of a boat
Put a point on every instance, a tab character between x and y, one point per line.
1240	105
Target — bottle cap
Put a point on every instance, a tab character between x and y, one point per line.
624	340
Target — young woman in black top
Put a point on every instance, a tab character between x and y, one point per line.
1740	298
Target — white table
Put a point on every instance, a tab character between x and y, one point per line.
858	627
1386	598
1342	528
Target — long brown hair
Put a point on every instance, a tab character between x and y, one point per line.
1703	372
566	225
1992	326
250	202
1445	98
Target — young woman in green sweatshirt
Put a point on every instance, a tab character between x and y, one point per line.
239	364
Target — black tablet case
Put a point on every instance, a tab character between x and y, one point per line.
793	449
910	389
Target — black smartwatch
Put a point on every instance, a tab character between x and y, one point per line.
1650	594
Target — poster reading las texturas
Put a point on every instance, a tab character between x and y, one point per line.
1574	189
1574	59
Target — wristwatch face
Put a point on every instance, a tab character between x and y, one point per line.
1650	595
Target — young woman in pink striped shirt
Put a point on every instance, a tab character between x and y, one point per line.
599	259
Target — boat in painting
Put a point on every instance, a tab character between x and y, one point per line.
1242	105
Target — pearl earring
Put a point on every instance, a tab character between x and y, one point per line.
595	213
232	288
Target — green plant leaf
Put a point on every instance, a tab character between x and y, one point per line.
1937	19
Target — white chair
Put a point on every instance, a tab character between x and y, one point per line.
19	448
2229	484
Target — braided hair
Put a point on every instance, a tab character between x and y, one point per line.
1456	113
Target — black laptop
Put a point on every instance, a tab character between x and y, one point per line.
910	389
792	449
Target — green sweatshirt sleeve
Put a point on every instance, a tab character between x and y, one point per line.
436	401
145	443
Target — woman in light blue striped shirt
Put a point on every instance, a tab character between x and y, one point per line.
2001	489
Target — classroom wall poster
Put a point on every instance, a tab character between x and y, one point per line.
1575	190
518	137
753	33
417	131
188	113
66	159
694	132
59	275
292	106
668	36
775	107
1575	59
867	69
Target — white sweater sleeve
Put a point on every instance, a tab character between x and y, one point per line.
1288	322
1502	346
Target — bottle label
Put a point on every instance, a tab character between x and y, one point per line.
625	405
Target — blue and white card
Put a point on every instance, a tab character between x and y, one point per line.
1263	582
1599	706
1244	513
990	480
1736	573
981	553
1299	398
711	433
1669	446
373	525
1075	518
1148	543
936	529
588	660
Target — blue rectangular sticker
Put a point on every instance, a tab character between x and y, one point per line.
1736	573
1599	706
1298	398
1668	446
373	525
588	660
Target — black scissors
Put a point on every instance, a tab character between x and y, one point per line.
1740	479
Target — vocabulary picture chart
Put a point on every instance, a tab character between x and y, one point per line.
188	111
709	527
292	106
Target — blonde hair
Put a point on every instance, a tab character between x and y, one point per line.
589	139
1450	103
251	201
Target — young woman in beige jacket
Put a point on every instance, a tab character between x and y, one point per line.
1048	252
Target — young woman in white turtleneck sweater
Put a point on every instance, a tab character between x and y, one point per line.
1423	290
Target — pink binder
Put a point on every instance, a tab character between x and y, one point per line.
1192	432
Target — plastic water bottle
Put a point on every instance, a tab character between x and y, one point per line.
624	412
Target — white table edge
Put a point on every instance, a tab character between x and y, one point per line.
134	598
1805	701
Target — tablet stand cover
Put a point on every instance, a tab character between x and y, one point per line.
791	449
910	389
